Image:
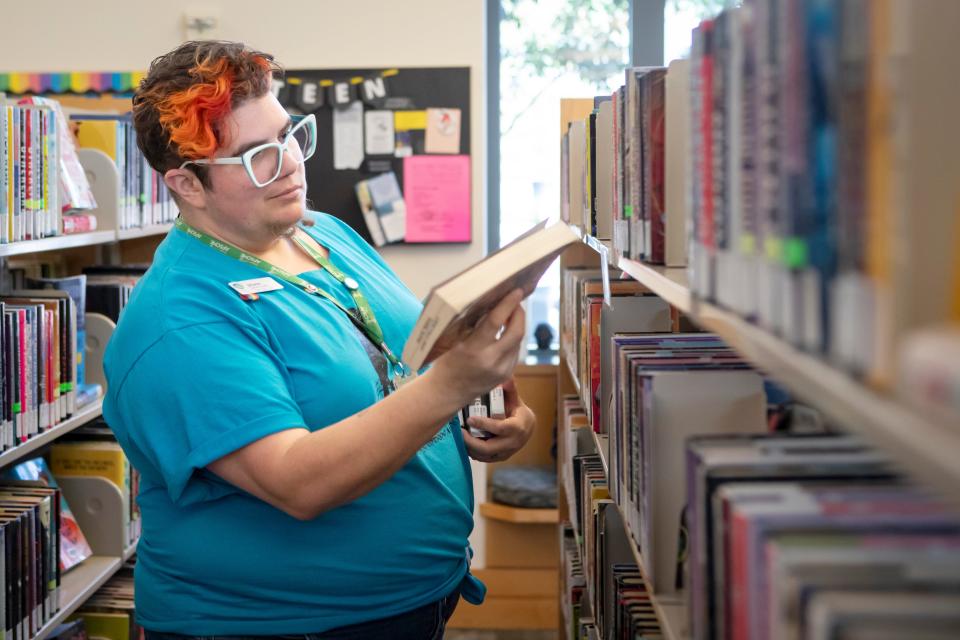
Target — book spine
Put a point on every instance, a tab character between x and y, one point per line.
657	162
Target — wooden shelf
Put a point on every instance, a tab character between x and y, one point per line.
138	232
85	415
670	283
56	243
573	374
78	584
519	515
602	442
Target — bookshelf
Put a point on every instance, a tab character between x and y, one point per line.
18	453
97	504
924	448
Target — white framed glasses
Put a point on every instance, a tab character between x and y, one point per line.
264	162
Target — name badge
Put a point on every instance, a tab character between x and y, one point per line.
255	285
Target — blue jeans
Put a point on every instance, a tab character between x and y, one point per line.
425	623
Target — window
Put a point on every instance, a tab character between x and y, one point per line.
680	18
548	49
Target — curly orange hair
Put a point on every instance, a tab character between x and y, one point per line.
178	108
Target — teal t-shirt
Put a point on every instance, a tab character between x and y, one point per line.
195	373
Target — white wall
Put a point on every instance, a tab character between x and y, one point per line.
125	35
122	35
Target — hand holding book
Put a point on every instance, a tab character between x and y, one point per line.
508	434
456	306
486	356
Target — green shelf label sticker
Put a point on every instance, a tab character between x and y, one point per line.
748	244
774	249
16	407
795	253
628	211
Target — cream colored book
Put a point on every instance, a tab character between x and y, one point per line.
454	307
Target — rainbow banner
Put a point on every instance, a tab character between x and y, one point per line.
77	82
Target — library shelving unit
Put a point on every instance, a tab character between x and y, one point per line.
926	450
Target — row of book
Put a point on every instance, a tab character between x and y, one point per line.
30	540
815	537
144	198
805	187
669	387
823	187
583	338
73	545
613	173
42	355
573	582
773	535
38	363
29	172
42	346
44	190
608	595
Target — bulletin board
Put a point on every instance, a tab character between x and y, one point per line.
433	187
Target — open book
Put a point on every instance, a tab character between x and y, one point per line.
454	307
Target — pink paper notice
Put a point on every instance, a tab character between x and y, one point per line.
437	192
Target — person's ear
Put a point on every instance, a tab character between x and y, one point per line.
187	185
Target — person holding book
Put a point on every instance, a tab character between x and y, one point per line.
295	478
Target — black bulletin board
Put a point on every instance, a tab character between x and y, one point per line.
332	191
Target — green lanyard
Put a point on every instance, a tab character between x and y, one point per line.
364	318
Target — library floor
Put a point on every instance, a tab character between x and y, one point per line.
473	634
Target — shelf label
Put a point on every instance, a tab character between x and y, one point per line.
604	271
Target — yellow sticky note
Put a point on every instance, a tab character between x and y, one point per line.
407	120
